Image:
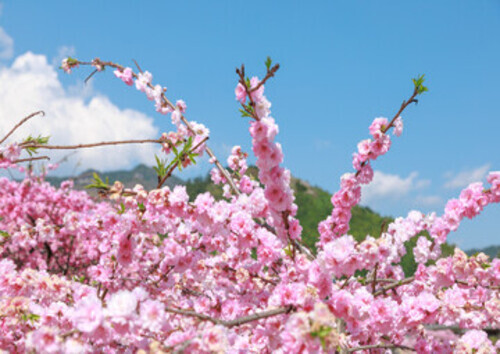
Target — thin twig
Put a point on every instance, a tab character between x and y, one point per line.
380	346
237	321
24	120
374	278
29	159
69	255
90	76
401	109
91	145
270	73
393	286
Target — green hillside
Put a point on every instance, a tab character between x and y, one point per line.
492	251
141	174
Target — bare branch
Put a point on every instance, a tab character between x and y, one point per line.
380	346
29	159
91	145
24	120
270	73
237	321
393	286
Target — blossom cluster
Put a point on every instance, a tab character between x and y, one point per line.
153	271
349	194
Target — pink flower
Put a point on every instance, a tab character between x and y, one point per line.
125	75
214	339
88	314
181	105
152	314
44	338
258	94
337	252
294	229
240	92
121	304
143	81
422	250
475	341
364	147
126	249
277	198
377	125
398	126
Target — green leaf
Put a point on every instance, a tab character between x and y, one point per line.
80	279
4	234
189	143
71	61
122	208
419	84
39	140
98	183
160	168
268	63
162	236
321	333
174	149
141	207
244	113
192	158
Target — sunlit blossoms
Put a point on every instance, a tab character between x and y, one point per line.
152	271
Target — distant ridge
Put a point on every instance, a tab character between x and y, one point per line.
492	251
141	174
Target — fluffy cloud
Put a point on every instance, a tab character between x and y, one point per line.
428	200
31	84
6	45
388	186
464	178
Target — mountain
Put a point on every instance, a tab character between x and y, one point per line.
492	251
141	174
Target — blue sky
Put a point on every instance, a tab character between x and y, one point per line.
343	63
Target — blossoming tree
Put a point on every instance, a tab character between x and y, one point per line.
150	271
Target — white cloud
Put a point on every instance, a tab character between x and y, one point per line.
6	45
429	200
31	84
464	178
388	186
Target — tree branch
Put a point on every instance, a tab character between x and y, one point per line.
393	286
24	120
237	321
91	145
29	159
379	346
